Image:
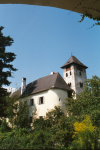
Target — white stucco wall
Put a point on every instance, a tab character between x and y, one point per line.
79	79
75	78
51	99
70	78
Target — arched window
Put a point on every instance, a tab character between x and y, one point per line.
81	85
66	74
70	73
69	84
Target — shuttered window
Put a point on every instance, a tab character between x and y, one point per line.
41	100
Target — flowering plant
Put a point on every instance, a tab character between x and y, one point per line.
85	134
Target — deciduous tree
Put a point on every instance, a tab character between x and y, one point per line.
88	102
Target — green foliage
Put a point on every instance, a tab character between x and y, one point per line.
85	134
90	17
4	126
88	102
11	108
57	127
22	118
5	59
20	132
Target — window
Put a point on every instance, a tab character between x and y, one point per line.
69	94
40	117
81	84
79	68
80	73
41	100
59	99
66	74
70	73
69	84
31	102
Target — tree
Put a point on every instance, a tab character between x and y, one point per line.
88	102
22	119
90	17
53	131
5	59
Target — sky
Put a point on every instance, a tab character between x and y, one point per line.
44	38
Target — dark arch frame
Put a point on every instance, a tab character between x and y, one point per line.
90	7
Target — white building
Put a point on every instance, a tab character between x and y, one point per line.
44	93
47	92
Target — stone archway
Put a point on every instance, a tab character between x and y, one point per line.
90	7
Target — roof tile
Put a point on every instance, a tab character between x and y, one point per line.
45	83
74	60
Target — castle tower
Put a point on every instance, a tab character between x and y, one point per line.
74	73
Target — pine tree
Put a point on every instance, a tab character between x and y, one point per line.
5	59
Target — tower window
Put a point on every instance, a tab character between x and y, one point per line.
70	73
69	84
80	73
79	68
81	85
66	74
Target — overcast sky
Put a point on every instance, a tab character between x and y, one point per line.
45	37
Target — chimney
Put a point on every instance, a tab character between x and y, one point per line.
52	72
23	86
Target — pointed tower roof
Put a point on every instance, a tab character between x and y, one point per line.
73	60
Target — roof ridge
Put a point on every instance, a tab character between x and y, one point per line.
40	78
56	78
64	83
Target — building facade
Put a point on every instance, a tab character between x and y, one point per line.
47	92
44	94
74	73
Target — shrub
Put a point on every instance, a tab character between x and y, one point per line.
85	134
4	126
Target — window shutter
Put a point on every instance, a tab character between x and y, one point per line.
33	102
38	100
43	100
